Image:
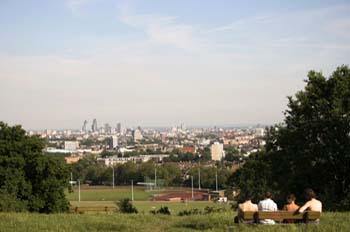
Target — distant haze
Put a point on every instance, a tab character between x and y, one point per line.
162	63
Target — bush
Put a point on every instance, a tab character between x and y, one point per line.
163	210
193	211
125	206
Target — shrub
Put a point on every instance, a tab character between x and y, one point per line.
193	211
163	210
125	206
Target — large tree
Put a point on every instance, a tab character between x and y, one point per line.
312	147
29	180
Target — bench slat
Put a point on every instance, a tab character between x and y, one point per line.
280	215
92	208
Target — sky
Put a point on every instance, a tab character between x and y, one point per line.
162	63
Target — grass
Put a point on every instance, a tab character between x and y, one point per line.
108	195
146	222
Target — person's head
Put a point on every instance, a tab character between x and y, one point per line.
268	195
291	198
248	196
309	194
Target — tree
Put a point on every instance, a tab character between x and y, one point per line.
30	181
312	147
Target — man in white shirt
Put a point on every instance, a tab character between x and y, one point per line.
267	205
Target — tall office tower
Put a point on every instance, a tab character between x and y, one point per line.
217	151
84	128
108	129
94	125
120	129
113	142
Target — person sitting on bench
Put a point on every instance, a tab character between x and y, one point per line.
312	203
247	205
267	205
290	207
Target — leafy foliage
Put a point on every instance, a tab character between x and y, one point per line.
163	210
30	181
125	206
311	148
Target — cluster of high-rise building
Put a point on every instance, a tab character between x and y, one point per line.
146	141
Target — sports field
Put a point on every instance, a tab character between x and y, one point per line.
108	194
147	206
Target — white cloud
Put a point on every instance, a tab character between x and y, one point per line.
162	29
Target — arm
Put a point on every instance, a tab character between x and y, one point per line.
304	207
275	207
259	206
285	207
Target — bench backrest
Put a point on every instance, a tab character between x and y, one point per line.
280	215
92	208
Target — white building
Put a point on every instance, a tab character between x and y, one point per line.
217	151
260	132
137	135
71	145
113	142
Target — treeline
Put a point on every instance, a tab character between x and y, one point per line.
310	149
89	171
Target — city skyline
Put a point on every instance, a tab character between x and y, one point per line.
159	64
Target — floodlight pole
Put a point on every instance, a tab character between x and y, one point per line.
79	188
132	190
113	175
155	178
216	179
71	179
192	185
199	177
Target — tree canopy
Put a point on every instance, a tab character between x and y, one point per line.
311	148
29	180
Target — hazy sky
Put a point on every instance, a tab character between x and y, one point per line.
162	62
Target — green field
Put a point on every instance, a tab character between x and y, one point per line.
146	222
108	194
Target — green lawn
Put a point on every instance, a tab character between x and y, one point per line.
146	222
107	195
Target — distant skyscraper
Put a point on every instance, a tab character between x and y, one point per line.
120	129
94	125
108	129
84	128
113	142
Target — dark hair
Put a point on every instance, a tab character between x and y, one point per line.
291	197
248	196
309	193
268	194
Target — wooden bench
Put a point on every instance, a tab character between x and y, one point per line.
92	209
304	217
